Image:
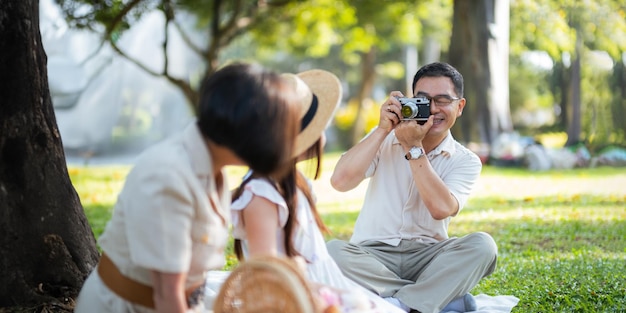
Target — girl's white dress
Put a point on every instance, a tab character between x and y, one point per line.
308	241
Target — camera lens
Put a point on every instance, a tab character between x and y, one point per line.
409	110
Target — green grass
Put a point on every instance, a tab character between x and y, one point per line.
561	234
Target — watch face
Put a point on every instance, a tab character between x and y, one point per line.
414	153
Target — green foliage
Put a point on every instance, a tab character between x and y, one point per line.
114	16
528	92
539	25
596	111
550	26
554	26
305	27
311	28
335	34
345	116
601	24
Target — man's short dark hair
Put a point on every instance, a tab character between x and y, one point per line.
440	69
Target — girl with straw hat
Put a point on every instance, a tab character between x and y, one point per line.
278	216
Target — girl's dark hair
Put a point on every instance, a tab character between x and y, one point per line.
288	187
439	69
251	111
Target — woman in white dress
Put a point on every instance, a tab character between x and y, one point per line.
279	217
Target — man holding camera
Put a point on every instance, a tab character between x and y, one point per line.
419	178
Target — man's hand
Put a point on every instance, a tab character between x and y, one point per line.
390	112
410	133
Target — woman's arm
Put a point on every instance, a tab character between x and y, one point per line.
169	292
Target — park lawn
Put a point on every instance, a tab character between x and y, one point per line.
561	234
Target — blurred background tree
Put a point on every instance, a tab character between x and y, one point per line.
530	65
221	23
480	50
586	43
372	46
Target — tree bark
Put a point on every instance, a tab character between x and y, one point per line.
561	90
47	246
574	125
618	107
368	76
469	54
479	50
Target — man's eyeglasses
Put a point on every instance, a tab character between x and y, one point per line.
441	100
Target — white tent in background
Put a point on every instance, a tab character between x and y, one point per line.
100	97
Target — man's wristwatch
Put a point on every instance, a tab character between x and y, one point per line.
415	153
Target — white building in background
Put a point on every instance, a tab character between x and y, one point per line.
102	100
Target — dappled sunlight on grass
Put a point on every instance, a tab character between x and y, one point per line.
98	185
557	253
546	209
515	184
560	282
98	216
340	224
561	235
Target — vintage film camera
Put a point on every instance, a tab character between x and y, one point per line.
416	109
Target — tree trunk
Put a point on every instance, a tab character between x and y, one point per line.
618	107
561	86
469	54
368	76
574	126
498	95
47	247
479	50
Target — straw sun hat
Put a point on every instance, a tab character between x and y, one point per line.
320	93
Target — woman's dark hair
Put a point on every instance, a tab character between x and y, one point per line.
251	111
288	186
439	69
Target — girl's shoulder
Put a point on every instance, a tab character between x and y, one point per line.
258	187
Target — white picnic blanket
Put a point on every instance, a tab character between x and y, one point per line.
214	281
485	303
493	304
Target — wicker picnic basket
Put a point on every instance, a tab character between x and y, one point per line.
266	285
